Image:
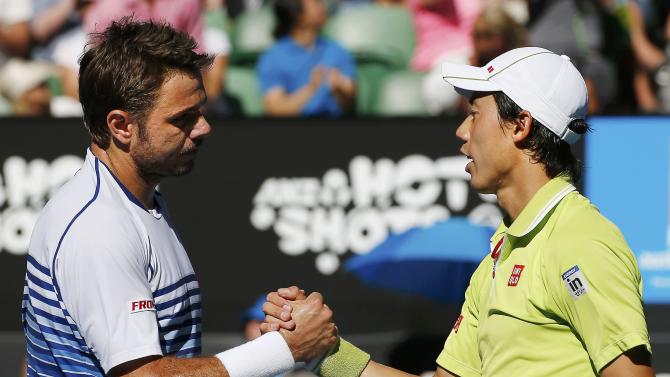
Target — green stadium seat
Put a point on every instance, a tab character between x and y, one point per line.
242	85
375	33
369	79
251	35
400	95
5	107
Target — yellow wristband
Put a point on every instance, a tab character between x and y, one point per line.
344	360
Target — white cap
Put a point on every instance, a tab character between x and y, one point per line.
19	76
538	80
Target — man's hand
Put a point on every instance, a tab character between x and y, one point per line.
339	82
306	323
278	309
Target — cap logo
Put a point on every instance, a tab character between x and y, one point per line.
490	69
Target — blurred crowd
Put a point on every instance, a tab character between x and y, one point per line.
345	57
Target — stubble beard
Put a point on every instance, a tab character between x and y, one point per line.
152	168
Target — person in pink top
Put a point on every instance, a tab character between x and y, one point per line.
443	33
183	15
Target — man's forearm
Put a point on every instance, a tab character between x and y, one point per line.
49	21
15	38
378	370
172	366
267	355
288	104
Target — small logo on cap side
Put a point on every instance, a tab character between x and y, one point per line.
490	69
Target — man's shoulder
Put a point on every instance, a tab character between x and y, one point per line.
578	218
283	48
82	206
333	45
580	231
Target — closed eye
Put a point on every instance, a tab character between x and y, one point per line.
187	119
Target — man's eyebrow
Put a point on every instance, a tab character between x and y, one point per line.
195	107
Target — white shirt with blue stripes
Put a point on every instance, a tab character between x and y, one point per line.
108	281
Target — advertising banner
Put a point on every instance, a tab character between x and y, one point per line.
627	176
271	204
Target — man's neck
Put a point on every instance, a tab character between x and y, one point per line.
305	37
124	169
519	188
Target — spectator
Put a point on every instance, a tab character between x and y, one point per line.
21	82
649	40
217	43
496	32
24	83
575	28
14	31
183	15
50	19
303	73
68	45
443	33
59	39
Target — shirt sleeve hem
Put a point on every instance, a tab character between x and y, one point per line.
449	363
125	356
622	345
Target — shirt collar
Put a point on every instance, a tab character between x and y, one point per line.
537	209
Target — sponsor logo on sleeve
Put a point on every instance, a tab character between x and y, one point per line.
137	306
458	323
575	282
516	275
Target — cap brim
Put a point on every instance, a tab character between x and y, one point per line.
467	79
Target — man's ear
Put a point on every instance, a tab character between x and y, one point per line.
120	126
522	126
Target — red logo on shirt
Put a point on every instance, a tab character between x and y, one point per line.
516	275
141	306
458	323
490	69
496	250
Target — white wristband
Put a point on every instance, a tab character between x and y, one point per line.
266	356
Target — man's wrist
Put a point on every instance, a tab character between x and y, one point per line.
267	355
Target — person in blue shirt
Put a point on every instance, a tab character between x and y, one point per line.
304	74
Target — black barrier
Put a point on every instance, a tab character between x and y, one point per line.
258	211
249	212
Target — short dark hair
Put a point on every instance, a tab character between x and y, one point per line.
545	146
125	67
287	13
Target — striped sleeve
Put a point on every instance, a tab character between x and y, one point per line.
101	274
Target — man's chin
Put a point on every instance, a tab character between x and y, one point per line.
481	188
183	169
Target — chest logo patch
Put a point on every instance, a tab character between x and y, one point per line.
516	275
137	306
575	282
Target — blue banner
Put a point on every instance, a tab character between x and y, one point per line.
626	175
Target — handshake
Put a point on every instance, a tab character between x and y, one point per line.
305	322
300	328
297	328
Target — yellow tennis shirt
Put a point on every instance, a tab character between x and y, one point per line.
562	298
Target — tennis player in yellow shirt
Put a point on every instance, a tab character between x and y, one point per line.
561	292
